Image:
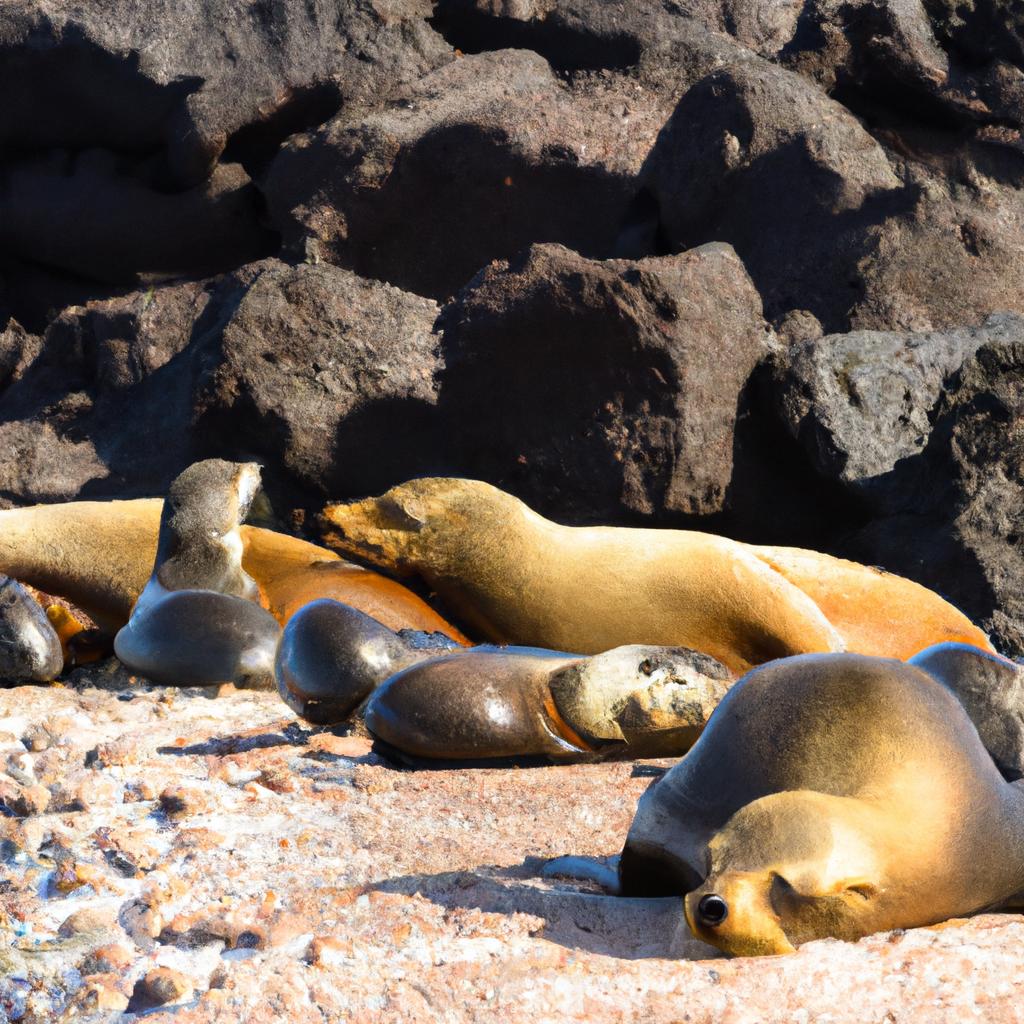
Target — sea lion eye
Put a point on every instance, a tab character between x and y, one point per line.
712	910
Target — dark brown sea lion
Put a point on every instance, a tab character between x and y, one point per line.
830	795
331	657
30	649
508	702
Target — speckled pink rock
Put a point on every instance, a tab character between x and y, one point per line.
302	877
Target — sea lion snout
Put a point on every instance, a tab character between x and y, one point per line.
734	912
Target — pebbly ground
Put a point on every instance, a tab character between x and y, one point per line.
174	855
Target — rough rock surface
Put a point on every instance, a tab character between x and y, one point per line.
319	373
596	387
489	154
923	431
219	846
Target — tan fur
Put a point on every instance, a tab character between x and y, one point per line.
519	578
100	554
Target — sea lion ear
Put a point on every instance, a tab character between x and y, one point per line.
860	888
402	512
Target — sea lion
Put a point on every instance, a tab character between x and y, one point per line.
830	795
516	577
991	689
30	650
100	555
332	656
503	702
198	621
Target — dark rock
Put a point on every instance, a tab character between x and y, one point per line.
94	215
954	499
18	349
602	389
862	404
757	156
327	378
488	155
901	230
192	79
981	29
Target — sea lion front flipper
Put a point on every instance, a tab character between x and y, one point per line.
602	870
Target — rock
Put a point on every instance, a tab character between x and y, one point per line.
88	920
828	219
162	986
602	389
755	155
922	432
327	376
982	29
201	77
862	404
17	350
487	155
97	216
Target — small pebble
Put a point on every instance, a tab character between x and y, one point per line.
161	986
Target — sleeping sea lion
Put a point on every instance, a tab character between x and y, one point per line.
198	621
332	656
30	649
506	702
100	555
516	577
830	795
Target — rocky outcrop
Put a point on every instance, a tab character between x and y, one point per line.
603	389
487	155
924	430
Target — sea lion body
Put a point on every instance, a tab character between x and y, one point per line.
100	556
198	621
30	649
482	703
200	638
506	702
516	577
332	656
830	795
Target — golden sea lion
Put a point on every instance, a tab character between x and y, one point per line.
100	554
502	702
830	795
516	577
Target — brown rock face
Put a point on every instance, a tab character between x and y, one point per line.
603	387
489	154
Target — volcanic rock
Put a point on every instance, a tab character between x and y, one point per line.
488	155
603	388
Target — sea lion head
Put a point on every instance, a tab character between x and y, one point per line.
786	869
200	546
424	520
